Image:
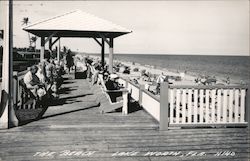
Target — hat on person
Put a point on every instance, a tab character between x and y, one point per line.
113	76
33	67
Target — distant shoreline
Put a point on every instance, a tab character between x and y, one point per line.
219	66
106	54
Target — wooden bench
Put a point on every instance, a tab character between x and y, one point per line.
27	100
106	104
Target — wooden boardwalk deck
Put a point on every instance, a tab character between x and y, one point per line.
75	130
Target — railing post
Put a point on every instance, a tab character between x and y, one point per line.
247	107
125	96
141	88
164	106
126	84
15	88
125	103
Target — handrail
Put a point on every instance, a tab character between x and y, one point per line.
209	86
118	90
175	97
129	81
151	95
143	90
18	74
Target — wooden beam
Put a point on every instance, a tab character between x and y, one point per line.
164	106
50	44
55	41
12	119
50	37
42	49
103	53
58	50
105	39
98	42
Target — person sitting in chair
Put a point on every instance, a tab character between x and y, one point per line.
33	83
112	84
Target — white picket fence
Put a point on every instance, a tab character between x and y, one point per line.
207	105
194	105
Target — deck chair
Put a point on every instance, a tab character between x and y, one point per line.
106	104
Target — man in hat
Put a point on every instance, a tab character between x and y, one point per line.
112	84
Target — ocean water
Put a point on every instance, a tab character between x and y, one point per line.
236	67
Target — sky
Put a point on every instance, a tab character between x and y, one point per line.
196	27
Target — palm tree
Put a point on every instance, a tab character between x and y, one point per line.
33	40
25	22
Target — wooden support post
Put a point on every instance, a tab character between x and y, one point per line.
97	41
42	49
50	37
50	44
141	88
7	114
164	106
103	53
19	91
55	41
111	52
125	103
247	107
15	88
58	50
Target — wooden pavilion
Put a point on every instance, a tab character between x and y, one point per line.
78	24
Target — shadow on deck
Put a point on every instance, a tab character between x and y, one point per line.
74	129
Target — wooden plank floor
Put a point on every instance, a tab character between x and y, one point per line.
74	130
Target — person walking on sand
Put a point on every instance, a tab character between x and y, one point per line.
161	78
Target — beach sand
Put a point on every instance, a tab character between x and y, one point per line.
186	79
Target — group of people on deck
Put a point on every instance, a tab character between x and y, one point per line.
45	78
94	68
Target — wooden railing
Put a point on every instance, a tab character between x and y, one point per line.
207	105
182	106
18	93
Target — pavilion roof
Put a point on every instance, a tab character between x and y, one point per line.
76	24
